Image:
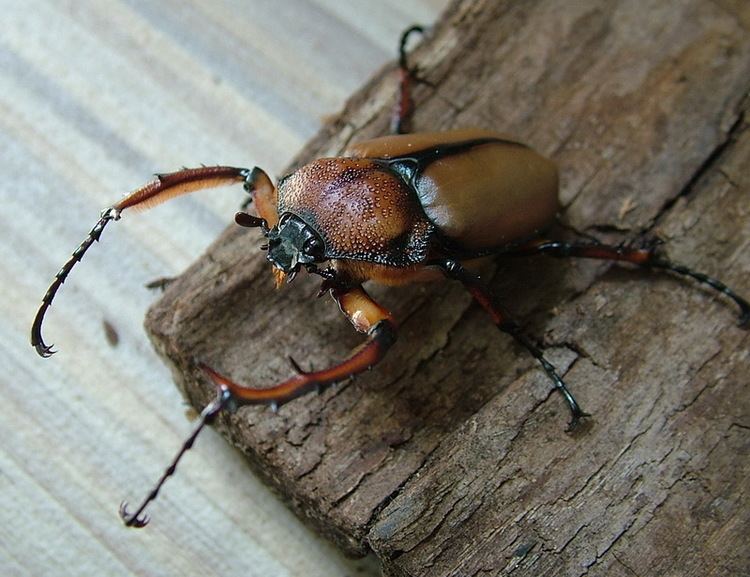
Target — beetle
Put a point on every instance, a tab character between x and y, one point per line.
397	209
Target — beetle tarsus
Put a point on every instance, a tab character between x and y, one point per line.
514	330
222	401
164	187
576	422
37	341
43	350
665	264
415	28
131	520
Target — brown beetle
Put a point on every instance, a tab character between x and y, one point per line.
394	210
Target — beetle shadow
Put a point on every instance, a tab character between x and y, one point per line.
450	359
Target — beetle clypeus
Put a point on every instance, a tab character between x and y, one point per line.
394	210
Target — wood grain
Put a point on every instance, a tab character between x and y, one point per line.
451	457
95	96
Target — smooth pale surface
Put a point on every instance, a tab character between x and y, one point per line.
94	97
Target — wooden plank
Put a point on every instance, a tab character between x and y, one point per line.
450	458
95	96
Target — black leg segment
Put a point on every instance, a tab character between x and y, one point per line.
454	270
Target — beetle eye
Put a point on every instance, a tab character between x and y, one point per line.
313	247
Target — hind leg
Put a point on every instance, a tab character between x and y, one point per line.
454	270
646	257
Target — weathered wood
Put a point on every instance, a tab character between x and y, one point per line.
451	458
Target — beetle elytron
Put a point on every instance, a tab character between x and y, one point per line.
396	209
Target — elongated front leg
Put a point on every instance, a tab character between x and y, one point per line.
165	186
366	315
453	269
646	257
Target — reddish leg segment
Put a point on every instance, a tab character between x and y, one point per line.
453	269
366	316
404	108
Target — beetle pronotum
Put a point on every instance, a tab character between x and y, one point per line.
393	210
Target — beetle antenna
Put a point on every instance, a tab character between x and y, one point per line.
138	519
37	341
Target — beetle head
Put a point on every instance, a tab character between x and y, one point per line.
293	243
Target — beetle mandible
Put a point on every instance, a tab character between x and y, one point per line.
393	210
